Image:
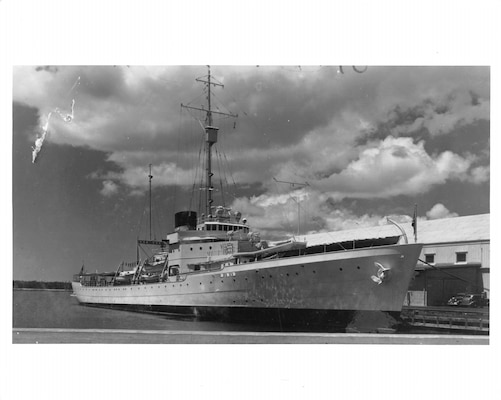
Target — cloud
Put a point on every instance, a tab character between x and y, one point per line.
439	211
393	167
442	114
164	174
349	135
383	169
277	214
109	189
479	174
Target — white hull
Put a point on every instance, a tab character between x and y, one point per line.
340	280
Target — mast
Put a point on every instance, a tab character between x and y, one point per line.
210	138
150	177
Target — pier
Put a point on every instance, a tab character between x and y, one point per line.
115	336
474	320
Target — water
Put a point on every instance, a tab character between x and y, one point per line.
58	309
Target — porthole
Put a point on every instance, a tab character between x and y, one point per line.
200	247
297	273
340	269
358	266
210	247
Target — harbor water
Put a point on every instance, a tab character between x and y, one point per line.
58	309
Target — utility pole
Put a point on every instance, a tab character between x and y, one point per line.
292	184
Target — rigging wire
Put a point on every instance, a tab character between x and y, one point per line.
226	169
197	170
221	175
224	108
140	225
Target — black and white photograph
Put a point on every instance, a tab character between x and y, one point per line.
279	214
285	198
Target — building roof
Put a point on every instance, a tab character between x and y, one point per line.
446	230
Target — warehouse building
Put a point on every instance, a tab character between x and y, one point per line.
455	256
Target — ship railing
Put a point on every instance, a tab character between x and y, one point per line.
219	218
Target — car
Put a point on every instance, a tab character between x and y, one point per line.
469	300
456	299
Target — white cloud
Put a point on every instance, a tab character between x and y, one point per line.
393	167
479	174
277	214
439	211
109	188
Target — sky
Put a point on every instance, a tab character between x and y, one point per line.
360	145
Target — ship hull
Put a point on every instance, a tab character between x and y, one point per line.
338	283
282	319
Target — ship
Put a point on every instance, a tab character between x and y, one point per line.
214	266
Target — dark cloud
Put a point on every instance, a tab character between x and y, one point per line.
103	83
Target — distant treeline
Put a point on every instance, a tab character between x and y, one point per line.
41	285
